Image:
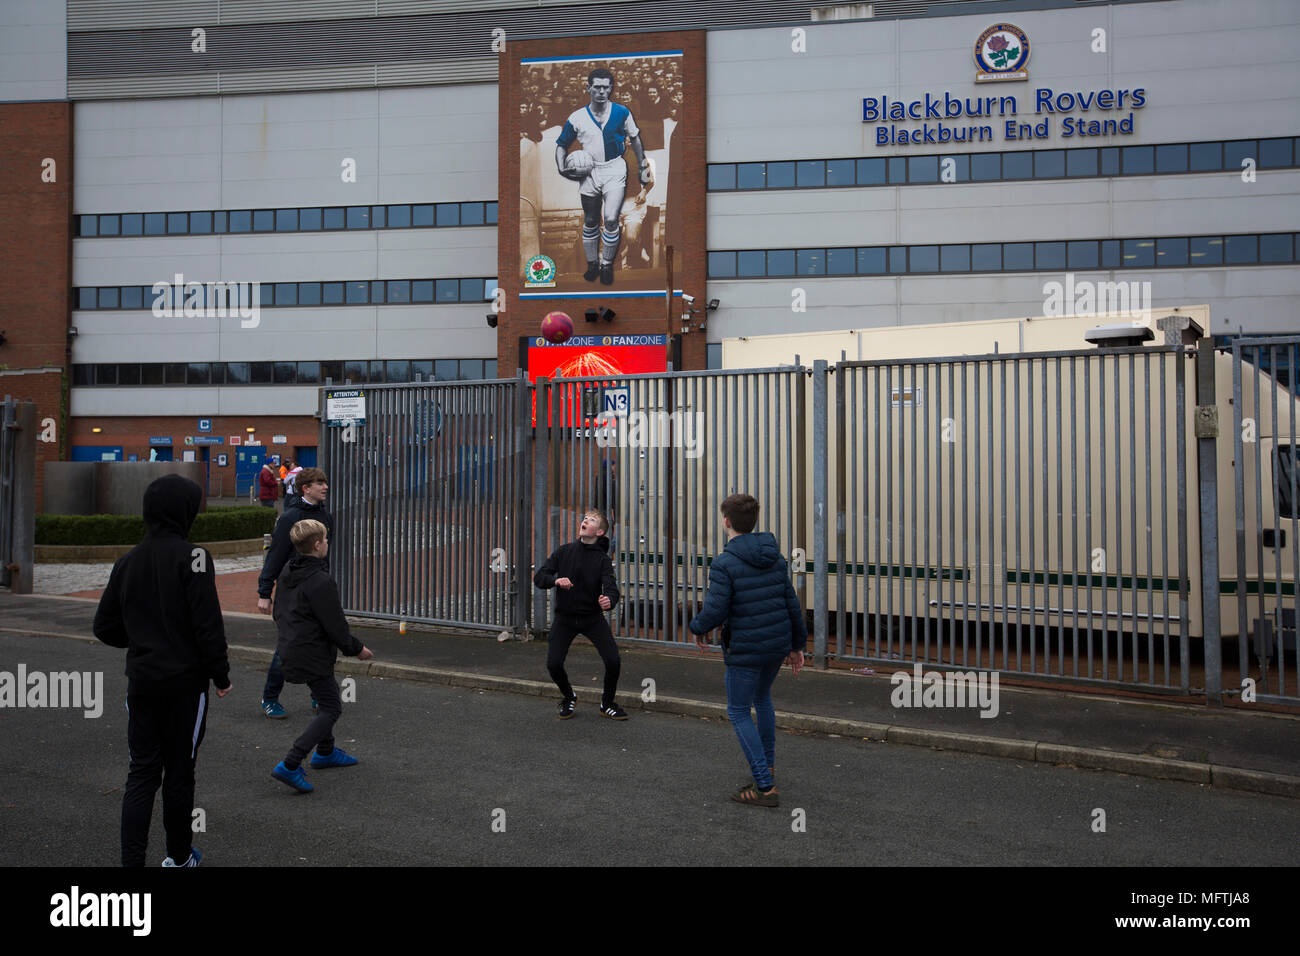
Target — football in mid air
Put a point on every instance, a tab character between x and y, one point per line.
557	327
579	161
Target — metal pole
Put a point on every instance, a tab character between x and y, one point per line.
819	512
1207	432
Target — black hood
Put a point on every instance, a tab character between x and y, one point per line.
170	505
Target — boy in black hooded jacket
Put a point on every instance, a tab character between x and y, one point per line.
312	628
161	605
584	574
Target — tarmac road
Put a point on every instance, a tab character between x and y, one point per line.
437	761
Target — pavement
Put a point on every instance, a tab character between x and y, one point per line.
1238	748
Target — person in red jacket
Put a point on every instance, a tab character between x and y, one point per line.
268	486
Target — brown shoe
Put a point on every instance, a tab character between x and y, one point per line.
757	798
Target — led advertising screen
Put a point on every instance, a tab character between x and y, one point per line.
583	356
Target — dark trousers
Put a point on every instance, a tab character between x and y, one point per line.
163	735
595	629
320	732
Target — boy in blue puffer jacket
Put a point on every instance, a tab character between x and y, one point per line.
751	595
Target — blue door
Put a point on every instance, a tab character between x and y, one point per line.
305	456
248	462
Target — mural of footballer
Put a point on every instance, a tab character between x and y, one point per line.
603	129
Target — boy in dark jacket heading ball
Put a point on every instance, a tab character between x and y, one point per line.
584	575
161	605
751	594
312	629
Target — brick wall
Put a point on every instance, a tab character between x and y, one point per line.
687	213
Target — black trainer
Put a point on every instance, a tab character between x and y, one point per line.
613	712
607	273
593	270
567	707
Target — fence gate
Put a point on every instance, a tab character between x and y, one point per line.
668	449
1022	513
1258	586
17	494
427	490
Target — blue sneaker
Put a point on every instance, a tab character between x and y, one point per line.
335	758
273	710
195	859
314	705
294	778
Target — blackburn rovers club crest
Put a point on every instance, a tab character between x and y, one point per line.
1002	53
539	273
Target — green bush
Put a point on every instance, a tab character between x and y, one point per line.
231	524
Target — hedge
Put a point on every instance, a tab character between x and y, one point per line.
234	524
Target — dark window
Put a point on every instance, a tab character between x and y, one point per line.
422	370
422	290
422	215
1139	160
399	217
286	220
954	258
752	175
986	257
334	217
108	225
446	290
780	262
237	373
1081	255
266	294
155	223
1049	255
1017	165
331	293
1018	256
88	226
446	370
218	373
108	297
263	220
219	221
471	214
354	372
811	173
960	166
83	375
471	369
1171	252
839	172
1171	158
128	373
178	223
309	373
448	214
1241	249
489	289
898	259
174	373
1206	250
722	176
286	373
309	220
780	175
1206	157
377	292
376	371
85	298
471	290
132	297
871	172
1049	164
132	224
241	220
309	293
286	293
1272	248
198	373
1238	150
924	259
399	291
753	263
490	213
841	262
896	169
331	371
923	169
261	373
358	217
871	261
200	223
377	217
489	368
1109	161
1110	254
105	374
1081	162
985	167
722	265
811	262
152	374
1273	153
713	355
358	293
1139	253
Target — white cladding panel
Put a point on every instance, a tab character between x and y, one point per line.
33	50
199	402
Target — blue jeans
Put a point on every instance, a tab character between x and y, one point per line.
274	680
752	687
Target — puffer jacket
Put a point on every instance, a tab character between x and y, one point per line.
751	597
309	619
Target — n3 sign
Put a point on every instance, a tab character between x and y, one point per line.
618	401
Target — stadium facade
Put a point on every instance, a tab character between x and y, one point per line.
213	208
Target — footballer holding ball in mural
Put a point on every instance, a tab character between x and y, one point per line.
603	129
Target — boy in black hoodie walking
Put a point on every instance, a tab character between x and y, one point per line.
584	575
312	628
161	605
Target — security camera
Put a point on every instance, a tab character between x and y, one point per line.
688	299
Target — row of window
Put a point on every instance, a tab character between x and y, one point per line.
296	219
1093	161
271	294
1051	256
373	372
